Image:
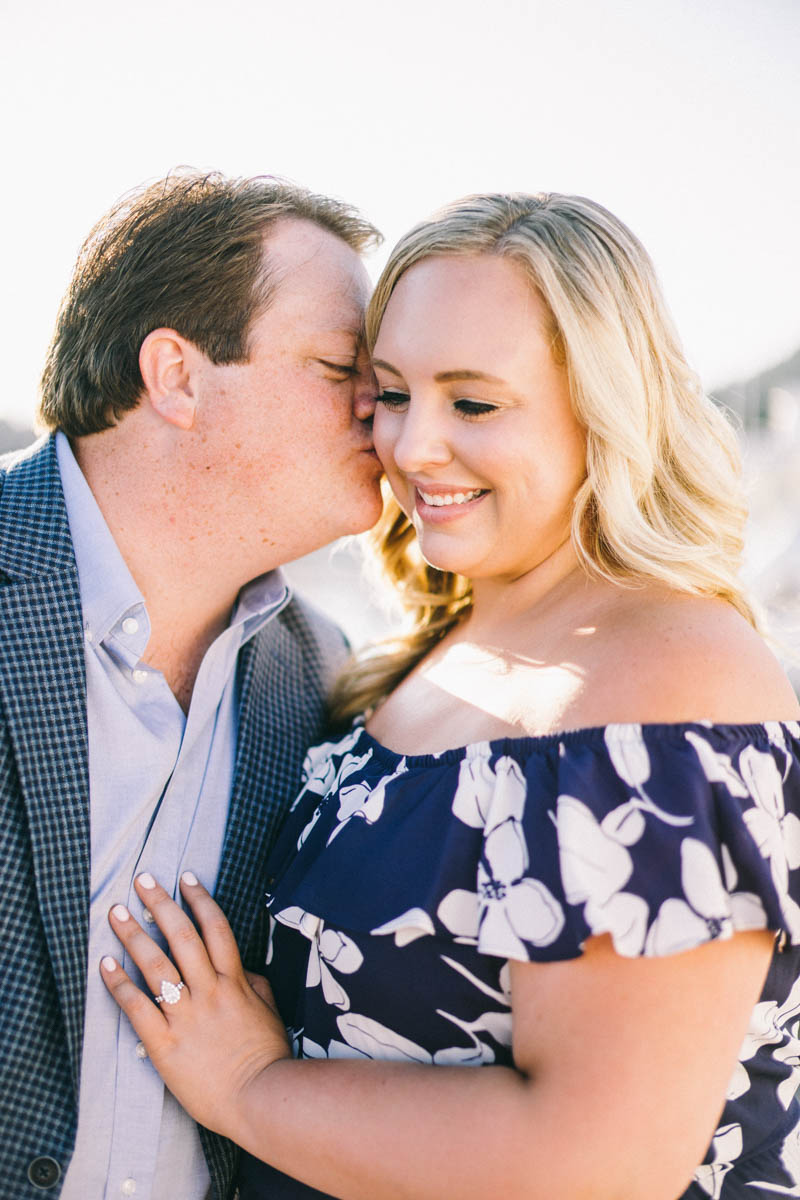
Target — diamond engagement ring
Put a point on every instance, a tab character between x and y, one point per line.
170	992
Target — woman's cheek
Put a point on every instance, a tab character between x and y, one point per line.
381	436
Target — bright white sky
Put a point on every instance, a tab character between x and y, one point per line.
682	116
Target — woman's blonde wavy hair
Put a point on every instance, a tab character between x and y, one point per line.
662	499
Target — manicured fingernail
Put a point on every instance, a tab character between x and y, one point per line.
120	912
146	880
109	964
189	877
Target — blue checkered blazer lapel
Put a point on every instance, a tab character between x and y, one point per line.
43	695
280	713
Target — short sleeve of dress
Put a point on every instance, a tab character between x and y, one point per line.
663	837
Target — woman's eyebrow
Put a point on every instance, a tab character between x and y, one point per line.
451	376
378	362
443	376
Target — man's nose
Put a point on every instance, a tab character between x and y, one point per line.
365	395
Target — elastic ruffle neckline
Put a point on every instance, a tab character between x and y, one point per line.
522	746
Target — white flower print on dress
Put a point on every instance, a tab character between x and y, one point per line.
775	832
460	912
363	803
307	1048
409	926
717	767
739	1082
476	784
497	1025
727	1146
778	739
326	778
596	865
708	910
790	1155
371	1039
330	951
790	1161
631	760
319	767
502	997
365	1037
508	908
769	1025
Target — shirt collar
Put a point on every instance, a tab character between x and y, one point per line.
265	595
108	590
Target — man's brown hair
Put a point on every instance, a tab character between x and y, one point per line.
183	253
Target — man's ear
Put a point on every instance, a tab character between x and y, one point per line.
164	361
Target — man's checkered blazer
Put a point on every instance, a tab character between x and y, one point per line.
44	814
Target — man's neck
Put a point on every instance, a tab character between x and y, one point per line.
178	656
178	559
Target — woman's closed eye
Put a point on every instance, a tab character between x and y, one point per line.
474	408
470	409
392	398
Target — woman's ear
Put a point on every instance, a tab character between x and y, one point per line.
164	363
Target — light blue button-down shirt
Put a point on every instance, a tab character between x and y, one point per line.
159	785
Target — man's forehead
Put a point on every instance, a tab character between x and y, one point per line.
313	269
336	314
295	246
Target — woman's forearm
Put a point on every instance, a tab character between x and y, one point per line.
384	1131
375	1130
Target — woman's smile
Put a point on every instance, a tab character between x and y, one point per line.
436	502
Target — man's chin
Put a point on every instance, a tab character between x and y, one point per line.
369	508
369	518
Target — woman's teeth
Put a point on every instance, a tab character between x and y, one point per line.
439	499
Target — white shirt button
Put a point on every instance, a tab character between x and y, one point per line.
141	1050
148	916
130	625
140	676
89	634
128	1187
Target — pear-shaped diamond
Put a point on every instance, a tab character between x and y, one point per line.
170	993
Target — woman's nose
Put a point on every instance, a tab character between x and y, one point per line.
421	440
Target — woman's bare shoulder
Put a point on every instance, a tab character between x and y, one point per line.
667	657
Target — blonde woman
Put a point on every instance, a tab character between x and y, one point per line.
564	848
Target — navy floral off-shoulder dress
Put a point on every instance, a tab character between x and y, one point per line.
403	885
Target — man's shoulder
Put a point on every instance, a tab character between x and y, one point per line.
294	661
34	529
30	463
316	632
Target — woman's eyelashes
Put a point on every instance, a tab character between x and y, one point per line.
393	399
471	409
475	408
